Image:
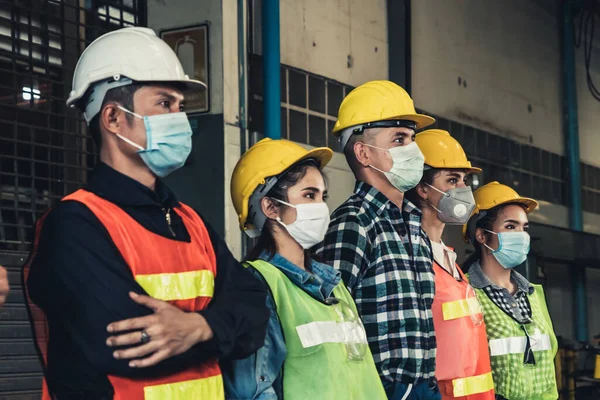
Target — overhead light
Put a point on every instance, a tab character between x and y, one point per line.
475	181
28	93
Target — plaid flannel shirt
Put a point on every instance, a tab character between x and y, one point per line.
385	260
517	305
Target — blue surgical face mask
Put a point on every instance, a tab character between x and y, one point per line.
513	248
168	141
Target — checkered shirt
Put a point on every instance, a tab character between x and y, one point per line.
385	260
517	305
513	379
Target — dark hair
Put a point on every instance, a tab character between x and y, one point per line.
367	136
266	241
485	222
122	95
428	177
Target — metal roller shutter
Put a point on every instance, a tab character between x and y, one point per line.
20	372
45	152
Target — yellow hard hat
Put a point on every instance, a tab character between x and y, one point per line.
376	101
443	151
492	195
267	158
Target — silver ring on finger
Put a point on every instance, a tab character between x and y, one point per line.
145	337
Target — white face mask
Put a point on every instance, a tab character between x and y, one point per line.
312	221
407	167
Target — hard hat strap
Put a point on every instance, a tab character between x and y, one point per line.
396	123
255	214
97	93
472	224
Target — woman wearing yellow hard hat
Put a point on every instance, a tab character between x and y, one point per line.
462	361
521	339
316	346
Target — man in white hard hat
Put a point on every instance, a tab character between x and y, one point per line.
124	249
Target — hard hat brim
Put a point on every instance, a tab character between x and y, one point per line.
191	85
469	169
188	85
530	205
322	154
421	120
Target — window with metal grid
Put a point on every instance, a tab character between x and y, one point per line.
45	150
309	104
530	170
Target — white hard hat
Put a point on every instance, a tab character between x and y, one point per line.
119	57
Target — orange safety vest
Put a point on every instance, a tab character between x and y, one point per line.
463	360
178	272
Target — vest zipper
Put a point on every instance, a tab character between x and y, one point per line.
168	218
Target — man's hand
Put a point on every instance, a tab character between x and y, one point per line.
168	332
3	285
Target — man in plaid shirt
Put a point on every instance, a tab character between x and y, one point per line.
376	241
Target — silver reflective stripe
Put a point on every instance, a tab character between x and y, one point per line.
516	344
315	333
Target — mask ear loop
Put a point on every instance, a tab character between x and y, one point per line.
499	242
434	207
137	146
445	194
129	141
130	112
283	202
278	219
488	247
375	147
379	148
377	169
438	190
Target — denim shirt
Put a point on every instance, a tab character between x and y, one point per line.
259	377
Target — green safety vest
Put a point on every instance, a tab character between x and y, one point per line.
512	378
317	365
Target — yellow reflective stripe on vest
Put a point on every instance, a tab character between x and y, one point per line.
460	308
315	333
516	344
472	385
178	286
207	388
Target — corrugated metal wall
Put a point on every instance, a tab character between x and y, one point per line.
20	371
45	152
